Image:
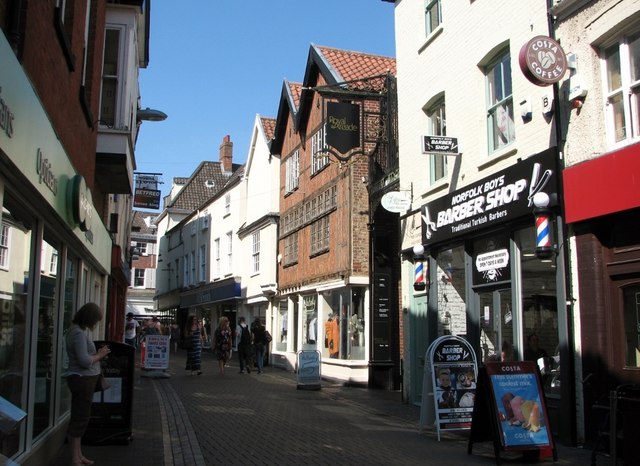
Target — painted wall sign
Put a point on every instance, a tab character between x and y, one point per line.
343	126
396	201
499	198
542	61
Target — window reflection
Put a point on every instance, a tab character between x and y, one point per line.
13	302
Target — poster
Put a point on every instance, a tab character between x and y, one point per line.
156	354
521	412
454	372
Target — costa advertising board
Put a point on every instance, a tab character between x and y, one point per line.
501	197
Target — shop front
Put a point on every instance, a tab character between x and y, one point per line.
55	254
330	319
496	275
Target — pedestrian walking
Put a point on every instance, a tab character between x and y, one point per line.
259	337
131	330
245	352
82	376
174	333
193	336
222	341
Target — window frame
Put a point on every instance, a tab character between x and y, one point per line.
627	91
113	121
5	244
292	172
437	127
431	23
319	144
138	275
255	252
495	102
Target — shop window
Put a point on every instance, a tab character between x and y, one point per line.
451	295
281	330
437	126
500	123
432	15
344	336
539	311
310	322
70	306
622	70
631	309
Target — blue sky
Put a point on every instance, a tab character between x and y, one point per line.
215	64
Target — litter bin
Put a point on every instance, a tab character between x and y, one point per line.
111	411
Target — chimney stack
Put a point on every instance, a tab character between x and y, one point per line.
226	154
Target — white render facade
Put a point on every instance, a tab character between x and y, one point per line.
459	76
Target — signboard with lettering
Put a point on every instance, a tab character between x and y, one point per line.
440	145
510	399
147	195
453	368
308	371
542	61
501	197
381	317
343	126
491	260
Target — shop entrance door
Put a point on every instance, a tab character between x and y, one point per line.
496	324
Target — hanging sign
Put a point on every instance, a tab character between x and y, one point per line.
147	195
396	202
343	126
542	61
440	145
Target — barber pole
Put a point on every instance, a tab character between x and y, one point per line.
419	282
544	249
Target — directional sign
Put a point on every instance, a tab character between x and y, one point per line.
440	145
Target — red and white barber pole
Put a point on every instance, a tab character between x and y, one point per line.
419	275
544	246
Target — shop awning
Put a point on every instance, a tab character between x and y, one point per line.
602	186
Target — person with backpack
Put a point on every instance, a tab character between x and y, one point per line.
244	347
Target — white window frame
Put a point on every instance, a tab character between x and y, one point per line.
622	121
138	275
227	203
216	246
118	77
229	252
5	242
292	172
255	252
437	121
202	254
185	270
500	117
432	15
319	160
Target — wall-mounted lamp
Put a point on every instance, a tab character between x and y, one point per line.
543	215
150	114
419	279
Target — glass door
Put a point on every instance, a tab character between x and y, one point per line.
496	324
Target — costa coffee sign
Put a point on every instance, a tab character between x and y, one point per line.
543	61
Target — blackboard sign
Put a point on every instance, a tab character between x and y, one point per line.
510	399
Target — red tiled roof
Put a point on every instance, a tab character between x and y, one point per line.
356	65
268	126
296	90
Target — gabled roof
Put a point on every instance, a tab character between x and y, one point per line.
142	225
268	126
205	182
336	66
289	102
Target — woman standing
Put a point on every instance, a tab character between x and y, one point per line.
222	342
193	340
82	376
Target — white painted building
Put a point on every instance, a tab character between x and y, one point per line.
459	76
